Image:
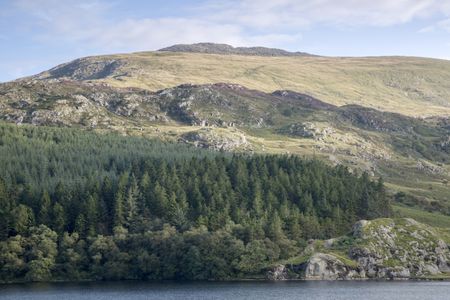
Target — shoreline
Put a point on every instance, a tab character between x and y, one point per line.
262	280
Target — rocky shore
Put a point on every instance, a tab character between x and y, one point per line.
393	249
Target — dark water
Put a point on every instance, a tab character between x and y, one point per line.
234	290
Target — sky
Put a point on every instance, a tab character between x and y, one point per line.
36	35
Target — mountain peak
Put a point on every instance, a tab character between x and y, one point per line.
213	48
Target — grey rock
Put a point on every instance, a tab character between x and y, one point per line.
327	267
278	273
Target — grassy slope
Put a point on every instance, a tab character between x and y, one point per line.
412	86
430	218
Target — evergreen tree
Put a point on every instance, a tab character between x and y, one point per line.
131	203
23	219
119	200
275	227
159	200
44	210
92	215
5	211
58	218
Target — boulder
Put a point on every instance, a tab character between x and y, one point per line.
323	266
279	272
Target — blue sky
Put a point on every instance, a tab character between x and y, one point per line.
38	34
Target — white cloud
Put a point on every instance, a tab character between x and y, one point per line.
281	13
441	25
87	22
246	22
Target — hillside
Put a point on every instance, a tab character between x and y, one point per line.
411	154
249	164
302	105
79	205
407	85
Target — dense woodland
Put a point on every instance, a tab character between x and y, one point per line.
78	205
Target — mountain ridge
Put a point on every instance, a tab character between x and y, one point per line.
214	48
412	86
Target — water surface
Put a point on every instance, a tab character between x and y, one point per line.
348	290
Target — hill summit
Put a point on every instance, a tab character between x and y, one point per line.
212	48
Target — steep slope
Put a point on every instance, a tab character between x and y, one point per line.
407	85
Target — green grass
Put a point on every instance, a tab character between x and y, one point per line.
433	219
343	257
297	260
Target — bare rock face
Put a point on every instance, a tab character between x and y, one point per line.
328	267
209	139
429	168
83	69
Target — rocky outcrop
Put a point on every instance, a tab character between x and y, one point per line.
209	138
88	68
393	249
306	130
212	48
372	119
429	168
401	248
323	266
279	272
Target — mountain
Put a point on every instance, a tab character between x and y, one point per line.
211	48
388	116
208	162
412	86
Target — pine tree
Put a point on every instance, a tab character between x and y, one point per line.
274	227
119	200
5	211
159	201
131	203
44	211
80	225
383	207
92	215
257	202
145	194
58	218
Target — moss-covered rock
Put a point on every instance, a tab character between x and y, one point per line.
378	249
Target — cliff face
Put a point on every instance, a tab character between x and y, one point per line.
378	249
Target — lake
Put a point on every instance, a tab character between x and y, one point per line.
347	290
